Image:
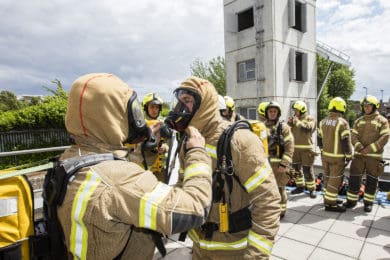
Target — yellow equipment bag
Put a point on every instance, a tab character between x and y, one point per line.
16	217
260	130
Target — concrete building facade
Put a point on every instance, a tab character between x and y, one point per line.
270	53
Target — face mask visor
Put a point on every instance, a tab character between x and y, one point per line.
138	129
183	109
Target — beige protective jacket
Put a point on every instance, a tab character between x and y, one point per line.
302	128
253	170
105	201
370	131
332	130
284	154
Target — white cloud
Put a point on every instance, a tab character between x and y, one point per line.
149	43
360	29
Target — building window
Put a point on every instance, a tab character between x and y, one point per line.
246	70
298	65
297	15
248	112
245	19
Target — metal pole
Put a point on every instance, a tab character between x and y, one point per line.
381	94
325	79
365	89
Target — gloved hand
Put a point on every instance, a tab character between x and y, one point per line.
195	139
348	158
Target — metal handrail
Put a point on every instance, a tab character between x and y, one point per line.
40	150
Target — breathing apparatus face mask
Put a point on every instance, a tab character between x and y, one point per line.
138	129
186	104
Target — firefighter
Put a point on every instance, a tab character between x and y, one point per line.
222	107
261	111
280	150
334	140
230	111
370	133
111	208
153	159
302	127
243	221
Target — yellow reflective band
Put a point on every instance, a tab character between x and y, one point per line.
274	160
370	155
302	146
354	131
373	147
283	206
345	133
287	158
260	242
258	177
211	150
213	245
333	155
287	138
196	169
384	131
369	197
361	122
336	138
299	181
351	196
330	198
310	184
149	204
79	233
356	145
378	124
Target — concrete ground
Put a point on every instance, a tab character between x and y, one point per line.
309	232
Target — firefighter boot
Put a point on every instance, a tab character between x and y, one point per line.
335	208
349	204
368	207
313	194
298	190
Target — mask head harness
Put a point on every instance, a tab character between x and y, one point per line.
138	129
180	117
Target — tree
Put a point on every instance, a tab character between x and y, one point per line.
339	84
8	101
213	71
59	92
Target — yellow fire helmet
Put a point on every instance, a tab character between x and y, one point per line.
151	97
261	108
230	103
369	100
337	104
300	106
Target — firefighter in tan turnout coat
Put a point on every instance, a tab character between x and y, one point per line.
370	134
243	225
110	207
280	149
302	127
334	140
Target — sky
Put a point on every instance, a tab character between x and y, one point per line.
151	44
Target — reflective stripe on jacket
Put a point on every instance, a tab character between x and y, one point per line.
370	131
332	129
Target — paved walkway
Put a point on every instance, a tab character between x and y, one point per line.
309	232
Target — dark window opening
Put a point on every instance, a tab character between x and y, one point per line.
245	19
298	16
299	66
